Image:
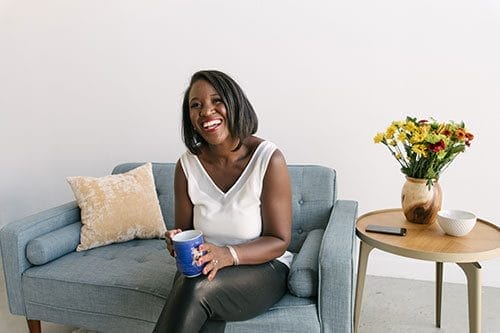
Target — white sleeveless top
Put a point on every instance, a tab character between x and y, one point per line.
233	217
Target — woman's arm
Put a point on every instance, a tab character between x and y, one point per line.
276	211
183	207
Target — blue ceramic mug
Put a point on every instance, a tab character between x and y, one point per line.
186	245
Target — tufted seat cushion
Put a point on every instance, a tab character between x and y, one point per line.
119	279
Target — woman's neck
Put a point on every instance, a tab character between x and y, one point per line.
225	152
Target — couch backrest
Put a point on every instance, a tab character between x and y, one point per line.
313	188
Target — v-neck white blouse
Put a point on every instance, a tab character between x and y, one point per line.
232	217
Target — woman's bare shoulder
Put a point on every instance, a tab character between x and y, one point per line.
278	160
253	142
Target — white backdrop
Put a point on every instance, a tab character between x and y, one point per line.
85	85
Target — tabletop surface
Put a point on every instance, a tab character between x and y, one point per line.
428	241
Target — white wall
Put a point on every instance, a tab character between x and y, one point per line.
85	85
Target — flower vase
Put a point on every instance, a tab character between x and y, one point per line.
420	202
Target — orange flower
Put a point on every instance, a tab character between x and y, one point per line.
460	134
446	132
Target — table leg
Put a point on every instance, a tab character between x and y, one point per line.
439	292
34	326
364	251
472	271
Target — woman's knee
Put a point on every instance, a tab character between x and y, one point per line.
193	293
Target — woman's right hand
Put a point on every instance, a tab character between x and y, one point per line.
168	239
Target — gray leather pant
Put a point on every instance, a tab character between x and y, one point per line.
236	293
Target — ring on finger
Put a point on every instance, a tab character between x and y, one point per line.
215	262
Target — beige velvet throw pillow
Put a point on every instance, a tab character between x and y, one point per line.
118	208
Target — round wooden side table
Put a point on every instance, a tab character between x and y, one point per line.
429	242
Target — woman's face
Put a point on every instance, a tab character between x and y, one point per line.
208	113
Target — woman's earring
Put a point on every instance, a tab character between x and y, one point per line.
196	138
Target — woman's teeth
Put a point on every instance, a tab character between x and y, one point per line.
211	124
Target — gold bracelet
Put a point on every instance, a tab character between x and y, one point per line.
236	260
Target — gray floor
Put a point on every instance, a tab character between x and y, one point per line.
389	305
401	305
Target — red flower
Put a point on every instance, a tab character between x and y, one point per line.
446	132
438	146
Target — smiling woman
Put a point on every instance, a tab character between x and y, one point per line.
208	113
234	188
224	100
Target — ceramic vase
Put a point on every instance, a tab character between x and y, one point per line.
419	202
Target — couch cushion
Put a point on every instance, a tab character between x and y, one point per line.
290	314
303	276
53	245
164	182
120	279
118	208
314	192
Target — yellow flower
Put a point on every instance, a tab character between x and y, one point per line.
424	129
402	136
441	128
378	138
389	133
410	126
420	149
417	137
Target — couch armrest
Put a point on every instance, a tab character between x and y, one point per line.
14	238
337	262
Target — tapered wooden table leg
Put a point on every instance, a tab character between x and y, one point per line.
34	326
473	273
439	291
364	251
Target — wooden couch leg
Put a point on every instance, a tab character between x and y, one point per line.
34	326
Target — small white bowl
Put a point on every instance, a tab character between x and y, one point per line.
456	222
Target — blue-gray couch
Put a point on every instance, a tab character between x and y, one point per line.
122	287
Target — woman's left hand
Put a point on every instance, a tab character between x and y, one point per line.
216	257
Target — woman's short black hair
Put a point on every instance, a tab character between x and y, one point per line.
241	117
